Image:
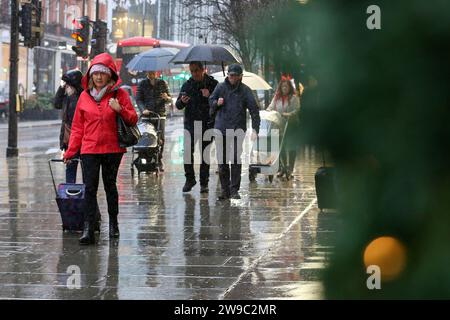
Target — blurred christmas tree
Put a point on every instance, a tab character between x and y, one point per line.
384	116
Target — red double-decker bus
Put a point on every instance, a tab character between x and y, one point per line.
128	48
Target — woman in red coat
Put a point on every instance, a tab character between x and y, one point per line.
94	134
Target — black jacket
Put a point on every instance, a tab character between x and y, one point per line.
233	113
197	109
149	97
68	104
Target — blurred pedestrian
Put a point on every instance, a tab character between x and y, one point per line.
152	95
66	99
229	104
94	135
287	104
193	98
310	107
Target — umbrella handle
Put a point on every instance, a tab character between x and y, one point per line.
223	69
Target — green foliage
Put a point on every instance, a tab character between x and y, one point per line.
383	114
42	101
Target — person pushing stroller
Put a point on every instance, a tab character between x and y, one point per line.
152	96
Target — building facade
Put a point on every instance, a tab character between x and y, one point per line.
132	20
187	28
41	68
161	19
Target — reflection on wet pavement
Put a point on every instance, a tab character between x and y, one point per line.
271	244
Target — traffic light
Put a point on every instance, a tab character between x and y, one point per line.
81	35
31	27
25	28
38	26
98	42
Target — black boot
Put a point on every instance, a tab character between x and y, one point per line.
113	228
235	195
204	188
97	226
98	220
189	185
225	195
88	236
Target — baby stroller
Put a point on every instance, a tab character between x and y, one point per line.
265	157
148	149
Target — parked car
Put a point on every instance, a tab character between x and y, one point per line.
4	106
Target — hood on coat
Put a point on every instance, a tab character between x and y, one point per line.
73	78
107	60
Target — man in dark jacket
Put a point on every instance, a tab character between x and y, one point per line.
66	98
229	103
194	99
152	95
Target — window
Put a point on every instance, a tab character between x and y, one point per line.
57	11
47	11
66	15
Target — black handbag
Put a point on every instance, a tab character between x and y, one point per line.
128	135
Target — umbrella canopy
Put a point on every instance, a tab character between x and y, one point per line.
155	59
252	80
211	54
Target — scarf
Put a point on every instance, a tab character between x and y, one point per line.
98	95
285	101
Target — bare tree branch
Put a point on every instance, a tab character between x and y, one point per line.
235	19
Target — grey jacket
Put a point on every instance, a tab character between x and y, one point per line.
233	113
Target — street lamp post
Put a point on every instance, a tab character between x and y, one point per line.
97	10
144	5
11	150
158	30
203	37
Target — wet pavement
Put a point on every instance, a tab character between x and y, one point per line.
271	244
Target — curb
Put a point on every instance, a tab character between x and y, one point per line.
32	125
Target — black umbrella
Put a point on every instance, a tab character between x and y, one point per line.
207	53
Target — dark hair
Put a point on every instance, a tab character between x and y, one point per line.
196	63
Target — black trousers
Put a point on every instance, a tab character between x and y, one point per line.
109	163
162	128
230	175
189	148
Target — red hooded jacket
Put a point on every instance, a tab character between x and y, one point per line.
94	126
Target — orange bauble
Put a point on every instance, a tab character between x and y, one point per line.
389	254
